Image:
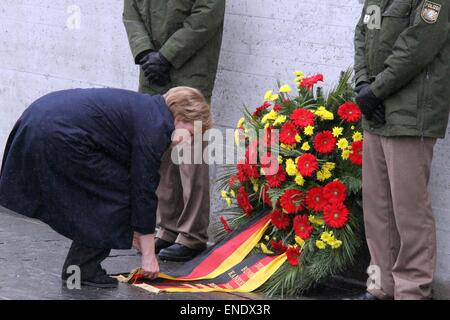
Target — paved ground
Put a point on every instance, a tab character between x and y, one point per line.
31	257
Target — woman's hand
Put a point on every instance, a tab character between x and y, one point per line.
150	266
137	242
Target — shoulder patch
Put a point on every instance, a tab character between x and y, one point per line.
430	11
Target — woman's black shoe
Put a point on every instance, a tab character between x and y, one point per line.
178	253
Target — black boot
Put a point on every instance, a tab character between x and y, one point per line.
161	244
365	296
88	260
178	253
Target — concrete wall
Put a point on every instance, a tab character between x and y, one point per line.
41	51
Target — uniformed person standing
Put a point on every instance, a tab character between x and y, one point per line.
177	43
402	71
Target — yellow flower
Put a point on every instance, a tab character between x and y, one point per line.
316	220
279	120
267	238
357	136
309	130
352	127
336	244
298	138
291	168
298	73
324	114
266	125
228	200
274	97
272	115
240	123
285	89
264	249
327	237
232	193
288	146
306	146
342	144
323	175
299	241
280	159
345	154
255	185
267	95
329	166
337	131
299	179
224	194
320	244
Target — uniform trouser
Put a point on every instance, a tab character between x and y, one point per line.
183	203
86	258
399	223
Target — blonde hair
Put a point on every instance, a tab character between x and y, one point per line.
189	104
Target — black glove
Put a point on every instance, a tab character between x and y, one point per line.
361	86
156	68
371	106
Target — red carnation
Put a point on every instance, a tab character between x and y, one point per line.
315	199
356	155
278	246
302	227
244	201
259	109
324	142
276	108
280	220
335	191
233	182
335	215
225	224
350	112
307	164
265	196
302	118
276	180
251	154
309	82
292	254
288	133
246	171
291	200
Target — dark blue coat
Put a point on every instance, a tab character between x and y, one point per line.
86	162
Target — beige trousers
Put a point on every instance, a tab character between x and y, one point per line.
183	203
399	223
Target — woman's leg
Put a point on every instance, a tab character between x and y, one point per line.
88	260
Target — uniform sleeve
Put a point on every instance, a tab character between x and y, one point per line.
416	47
206	18
361	72
138	35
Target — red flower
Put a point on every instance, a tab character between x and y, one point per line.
246	171
307	164
259	109
277	108
278	246
324	142
244	201
315	199
302	227
291	200
225	224
251	154
233	182
309	82
335	215
292	254
302	118
356	155
335	191
350	112
276	180
280	220
288	133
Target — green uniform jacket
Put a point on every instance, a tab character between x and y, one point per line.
403	49
188	33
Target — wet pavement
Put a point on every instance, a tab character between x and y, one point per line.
31	258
